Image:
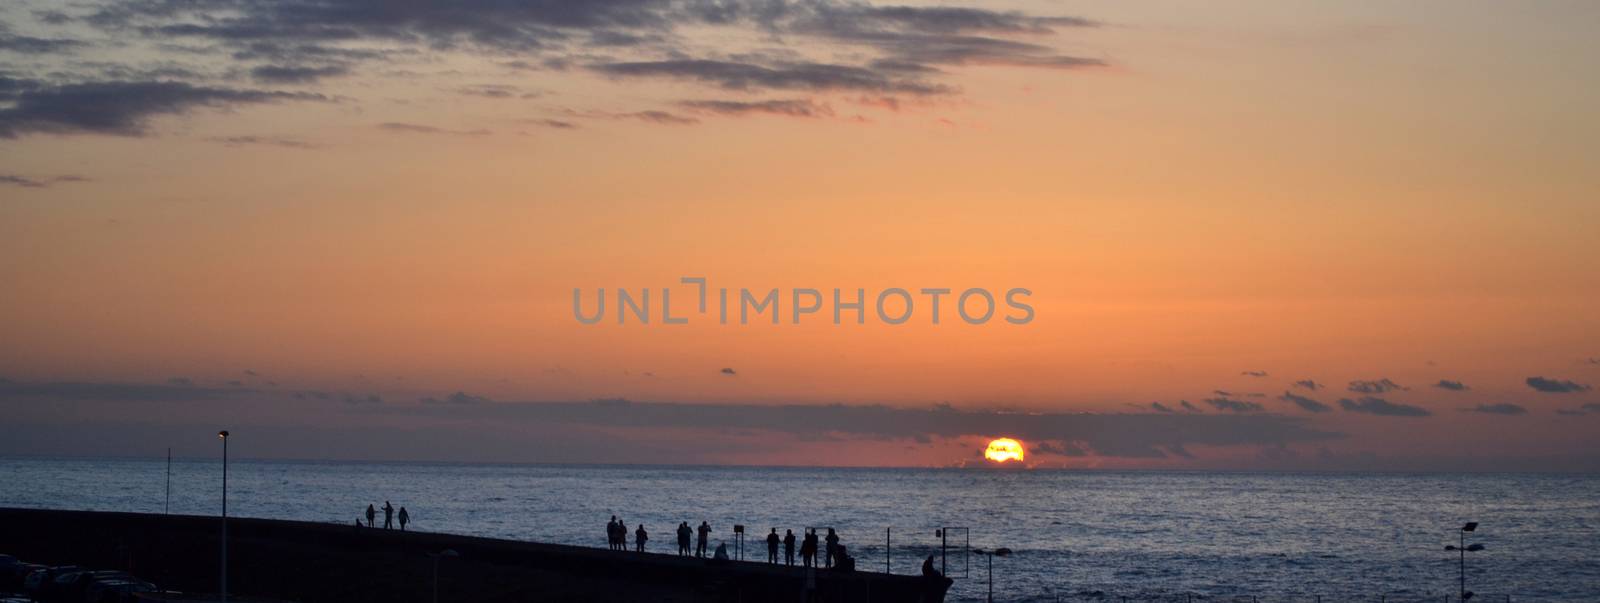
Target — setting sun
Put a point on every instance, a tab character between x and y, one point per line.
1004	450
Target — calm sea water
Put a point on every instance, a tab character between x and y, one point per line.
1076	535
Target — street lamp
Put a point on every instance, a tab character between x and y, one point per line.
999	552
1464	548
436	556
223	435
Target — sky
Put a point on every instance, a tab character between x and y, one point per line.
1251	235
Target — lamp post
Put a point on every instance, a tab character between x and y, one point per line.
223	435
999	552
1464	548
436	556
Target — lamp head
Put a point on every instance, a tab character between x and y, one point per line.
1471	526
1002	551
1474	547
223	434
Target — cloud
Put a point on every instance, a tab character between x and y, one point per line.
790	107
1378	406
1189	407
1227	394
1556	386
20	44
1159	407
1305	404
172	391
1569	413
1455	386
288	143
652	116
181	381
1308	384
789	76
1253	373
1179	451
1592	407
728	371
121	108
658	117
550	123
401	127
498	91
458	398
1374	387
1071	449
1497	409
882	52
1232	405
26	182
1122	435
296	74
946	19
357	399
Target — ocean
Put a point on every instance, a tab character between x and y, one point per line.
1074	536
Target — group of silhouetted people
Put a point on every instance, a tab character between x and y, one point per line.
617	535
811	546
388	517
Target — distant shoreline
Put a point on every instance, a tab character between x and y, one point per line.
670	466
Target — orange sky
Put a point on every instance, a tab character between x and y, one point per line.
1330	192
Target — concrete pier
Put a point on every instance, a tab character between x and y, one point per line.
316	562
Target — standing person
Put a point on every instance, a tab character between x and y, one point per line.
622	535
705	532
405	518
808	548
388	515
640	537
772	547
832	546
371	515
611	533
788	547
683	538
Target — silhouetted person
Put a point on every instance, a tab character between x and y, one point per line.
705	532
772	547
405	518
722	553
788	547
832	543
388	515
611	533
371	515
808	549
640	537
622	535
927	569
684	534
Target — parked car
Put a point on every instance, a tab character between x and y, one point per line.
116	591
12	574
40	580
70	588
